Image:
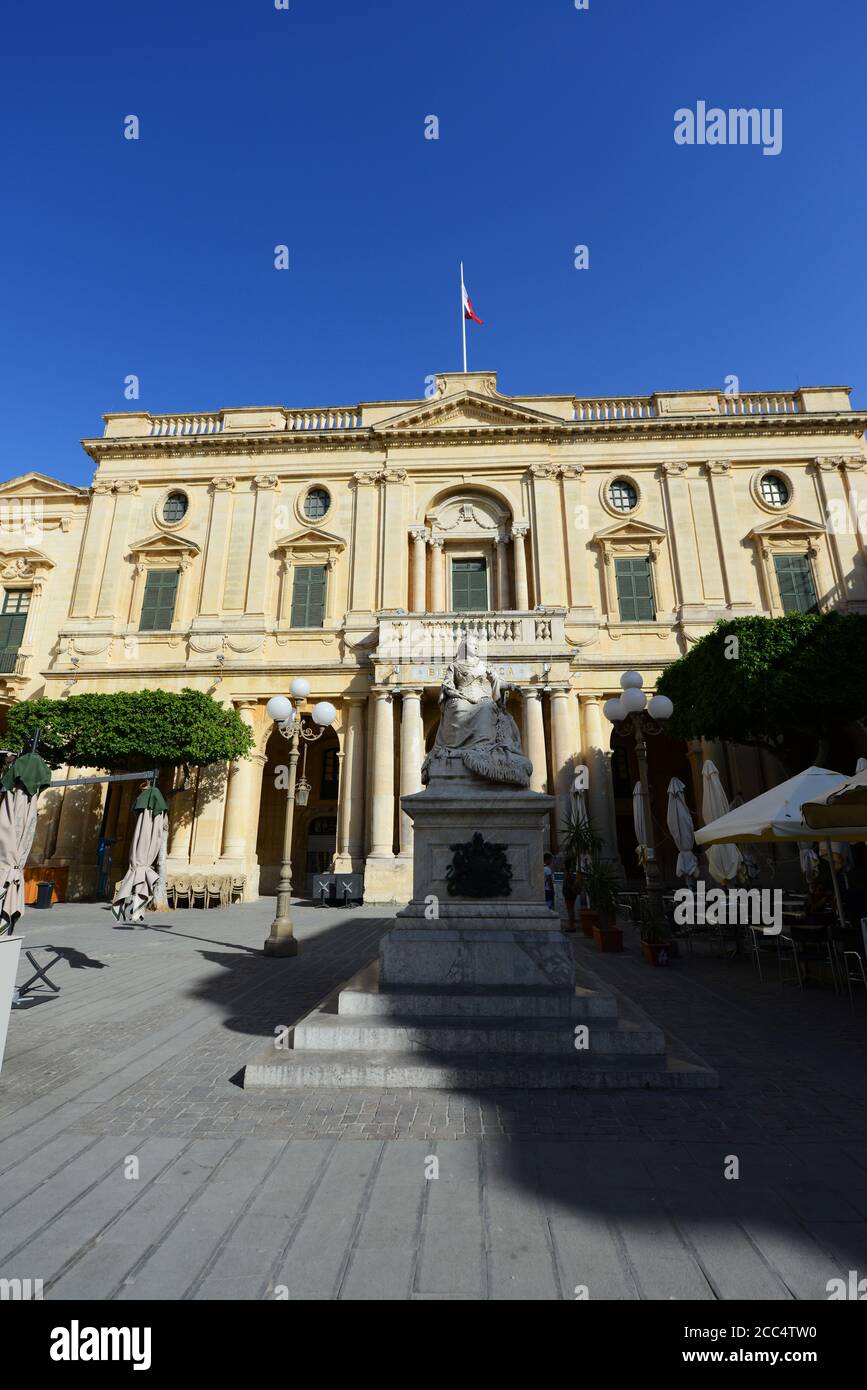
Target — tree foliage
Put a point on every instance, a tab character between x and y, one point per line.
128	730
787	684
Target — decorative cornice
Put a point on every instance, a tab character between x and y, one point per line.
849	425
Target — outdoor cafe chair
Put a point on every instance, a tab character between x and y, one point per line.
217	889
853	973
181	890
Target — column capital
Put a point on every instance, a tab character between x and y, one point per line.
412	692
519	530
222	484
266	481
829	465
436	541
674	468
722	467
419	533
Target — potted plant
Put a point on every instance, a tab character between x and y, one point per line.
580	847
653	928
602	883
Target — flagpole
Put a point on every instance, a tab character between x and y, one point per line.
463	319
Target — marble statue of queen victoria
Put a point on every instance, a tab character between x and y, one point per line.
475	726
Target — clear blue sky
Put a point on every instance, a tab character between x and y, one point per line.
306	127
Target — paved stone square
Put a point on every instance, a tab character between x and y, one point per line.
131	1166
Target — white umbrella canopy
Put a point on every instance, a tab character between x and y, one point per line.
639	821
724	861
776	814
843	808
21	785
682	830
138	885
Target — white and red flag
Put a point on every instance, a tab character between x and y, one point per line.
467	312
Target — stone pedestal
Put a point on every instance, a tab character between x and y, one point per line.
457	939
475	992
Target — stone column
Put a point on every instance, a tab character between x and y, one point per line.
737	574
365	543
92	549
211	604
183	811
118	541
419	569
504	600
411	756
241	795
841	518
260	550
682	534
522	597
350	843
382	777
534	738
597	758
562	754
438	575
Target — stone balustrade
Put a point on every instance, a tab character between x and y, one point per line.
614	408
434	638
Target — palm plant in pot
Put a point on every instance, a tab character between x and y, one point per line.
580	846
602	884
654	930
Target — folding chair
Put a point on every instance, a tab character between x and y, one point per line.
41	974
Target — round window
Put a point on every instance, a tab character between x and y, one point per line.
774	489
175	507
316	503
622	496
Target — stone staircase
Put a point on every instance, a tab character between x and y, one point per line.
446	1037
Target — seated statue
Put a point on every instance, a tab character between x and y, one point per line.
475	725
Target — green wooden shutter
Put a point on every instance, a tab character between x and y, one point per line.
795	580
158	605
635	590
308	596
469	586
13	620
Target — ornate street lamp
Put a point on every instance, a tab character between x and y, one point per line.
289	719
636	717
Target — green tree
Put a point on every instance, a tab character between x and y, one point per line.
787	684
128	730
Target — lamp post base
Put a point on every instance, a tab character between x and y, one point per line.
281	944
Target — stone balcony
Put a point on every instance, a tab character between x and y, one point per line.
418	646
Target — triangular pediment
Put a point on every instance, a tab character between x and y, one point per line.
40	485
162	544
793	526
630	531
310	537
468	410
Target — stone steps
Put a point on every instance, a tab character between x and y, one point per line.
393	1070
362	997
441	1037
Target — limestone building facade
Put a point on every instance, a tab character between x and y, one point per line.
575	537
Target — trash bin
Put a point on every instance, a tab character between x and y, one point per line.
43	893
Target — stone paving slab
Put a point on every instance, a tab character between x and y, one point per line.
333	1195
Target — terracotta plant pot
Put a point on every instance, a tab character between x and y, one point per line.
608	938
589	920
656	952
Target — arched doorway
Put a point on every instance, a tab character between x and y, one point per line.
666	758
318	763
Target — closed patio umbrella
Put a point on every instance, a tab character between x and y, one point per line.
21	785
724	861
639	821
137	887
682	829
